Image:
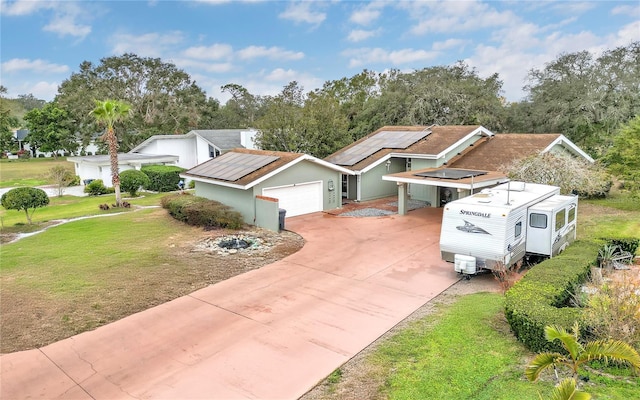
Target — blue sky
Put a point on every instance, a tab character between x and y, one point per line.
263	45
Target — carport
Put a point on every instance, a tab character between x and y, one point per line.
450	183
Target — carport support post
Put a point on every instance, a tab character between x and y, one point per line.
403	198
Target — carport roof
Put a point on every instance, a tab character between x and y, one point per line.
489	178
124	159
279	161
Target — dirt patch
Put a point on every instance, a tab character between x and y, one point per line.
31	320
358	379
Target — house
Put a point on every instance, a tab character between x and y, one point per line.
198	146
435	163
99	167
258	183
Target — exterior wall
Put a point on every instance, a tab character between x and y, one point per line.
248	139
267	213
307	171
240	200
202	150
185	149
421	163
373	187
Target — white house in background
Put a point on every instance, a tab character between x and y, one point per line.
198	146
99	167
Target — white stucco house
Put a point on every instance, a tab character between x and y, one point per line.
99	167
198	146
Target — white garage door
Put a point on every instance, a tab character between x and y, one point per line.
298	199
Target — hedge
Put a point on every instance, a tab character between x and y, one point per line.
539	298
199	211
163	178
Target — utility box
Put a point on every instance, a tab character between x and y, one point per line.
282	214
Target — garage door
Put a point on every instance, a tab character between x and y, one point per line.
298	199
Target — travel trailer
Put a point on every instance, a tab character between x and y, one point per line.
498	227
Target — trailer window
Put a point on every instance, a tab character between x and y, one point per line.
572	214
538	220
560	219
518	229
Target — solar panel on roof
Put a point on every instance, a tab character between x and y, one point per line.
382	140
233	166
449	173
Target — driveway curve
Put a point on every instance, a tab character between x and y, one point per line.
271	333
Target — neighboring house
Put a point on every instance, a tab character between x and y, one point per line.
23	144
256	183
99	167
436	164
198	146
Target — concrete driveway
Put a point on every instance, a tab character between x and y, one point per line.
271	333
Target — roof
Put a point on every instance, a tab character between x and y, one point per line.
436	141
213	171
502	149
465	180
224	139
124	158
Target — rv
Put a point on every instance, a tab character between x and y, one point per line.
498	227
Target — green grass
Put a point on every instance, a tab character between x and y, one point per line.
67	207
30	172
68	261
466	352
616	216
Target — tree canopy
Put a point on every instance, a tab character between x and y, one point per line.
51	129
163	98
25	199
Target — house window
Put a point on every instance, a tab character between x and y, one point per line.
560	219
408	166
538	220
213	152
518	229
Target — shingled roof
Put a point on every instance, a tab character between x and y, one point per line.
494	153
439	139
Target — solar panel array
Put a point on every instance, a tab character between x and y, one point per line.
449	173
382	140
232	166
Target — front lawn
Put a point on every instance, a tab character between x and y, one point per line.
29	172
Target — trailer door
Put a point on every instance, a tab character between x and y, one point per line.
539	227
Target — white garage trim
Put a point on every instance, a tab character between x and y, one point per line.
297	199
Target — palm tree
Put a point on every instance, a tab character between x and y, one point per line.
578	354
110	112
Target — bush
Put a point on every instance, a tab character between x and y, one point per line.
97	188
629	244
213	214
132	180
540	297
199	211
163	178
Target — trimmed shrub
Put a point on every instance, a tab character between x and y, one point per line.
176	204
132	180
163	178
540	297
198	211
213	214
97	188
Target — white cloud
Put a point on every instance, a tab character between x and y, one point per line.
26	65
146	45
299	12
365	56
273	53
628	33
65	25
23	7
358	35
44	90
450	44
627	9
217	68
216	51
367	14
65	20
